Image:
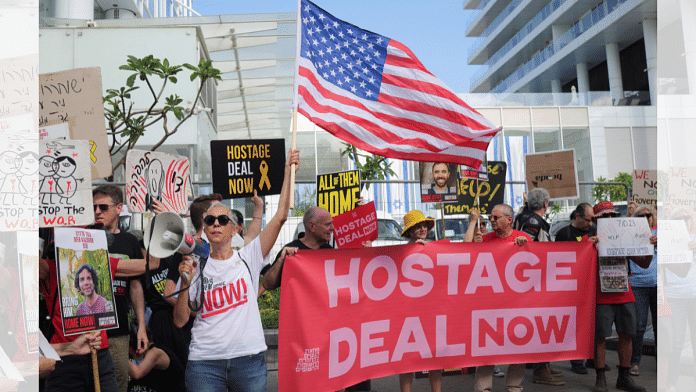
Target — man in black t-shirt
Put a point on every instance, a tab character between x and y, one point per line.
580	229
108	203
318	225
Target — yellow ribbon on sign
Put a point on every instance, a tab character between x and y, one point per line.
93	148
264	176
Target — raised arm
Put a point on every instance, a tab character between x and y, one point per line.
270	233
473	231
255	225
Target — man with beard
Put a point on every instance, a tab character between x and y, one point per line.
440	174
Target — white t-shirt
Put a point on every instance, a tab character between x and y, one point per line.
229	323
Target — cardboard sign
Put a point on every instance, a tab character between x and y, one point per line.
624	237
434	306
645	187
84	280
553	171
240	166
355	227
438	182
19	182
156	176
488	194
681	188
338	192
18	92
469	172
75	96
674	241
65	187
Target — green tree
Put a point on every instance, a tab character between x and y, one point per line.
305	198
612	192
126	126
374	168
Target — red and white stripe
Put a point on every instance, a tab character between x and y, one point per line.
416	117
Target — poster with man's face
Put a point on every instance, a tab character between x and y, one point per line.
438	182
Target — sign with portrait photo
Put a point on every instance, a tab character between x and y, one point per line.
438	182
157	176
84	280
240	166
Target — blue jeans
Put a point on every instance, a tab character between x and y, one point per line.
646	299
243	374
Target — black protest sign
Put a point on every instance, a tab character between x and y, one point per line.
240	166
490	193
338	192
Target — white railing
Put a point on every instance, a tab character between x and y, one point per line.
166	8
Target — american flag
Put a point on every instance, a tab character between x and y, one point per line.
372	92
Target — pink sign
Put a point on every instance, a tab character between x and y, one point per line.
353	228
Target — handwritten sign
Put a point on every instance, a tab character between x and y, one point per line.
156	176
681	188
240	166
75	96
645	187
338	192
624	237
355	227
674	241
438	182
84	280
18	182
482	194
18	93
65	187
553	171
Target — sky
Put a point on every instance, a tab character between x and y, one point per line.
433	30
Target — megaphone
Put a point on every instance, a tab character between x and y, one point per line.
165	235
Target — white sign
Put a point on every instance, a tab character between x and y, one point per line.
624	237
674	242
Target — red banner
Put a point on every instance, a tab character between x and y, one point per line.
353	228
356	314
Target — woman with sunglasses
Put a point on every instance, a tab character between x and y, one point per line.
227	350
416	228
644	285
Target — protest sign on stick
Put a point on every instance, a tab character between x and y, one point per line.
645	187
338	192
433	306
438	182
483	195
75	97
240	166
157	176
553	171
84	280
65	187
355	227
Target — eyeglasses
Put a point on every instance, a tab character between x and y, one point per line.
482	224
102	207
607	215
493	217
209	220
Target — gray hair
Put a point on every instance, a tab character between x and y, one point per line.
537	197
507	210
229	213
641	209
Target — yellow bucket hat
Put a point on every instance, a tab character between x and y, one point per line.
415	217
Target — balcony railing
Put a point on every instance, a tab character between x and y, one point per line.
591	98
580	27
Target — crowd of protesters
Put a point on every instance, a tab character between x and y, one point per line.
170	342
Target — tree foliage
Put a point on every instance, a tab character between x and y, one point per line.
374	168
612	192
127	125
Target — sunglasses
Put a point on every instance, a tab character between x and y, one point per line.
648	215
209	220
102	207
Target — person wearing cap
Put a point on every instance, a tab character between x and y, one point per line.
416	228
501	223
616	308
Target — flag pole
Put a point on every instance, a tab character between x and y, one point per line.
442	213
298	46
